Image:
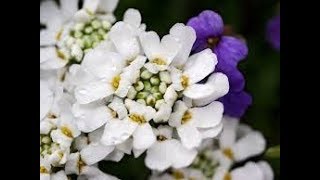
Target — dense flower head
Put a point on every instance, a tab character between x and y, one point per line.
237	143
139	89
230	51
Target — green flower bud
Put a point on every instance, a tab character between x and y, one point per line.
154	89
88	30
142	95
141	101
147	85
139	86
146	74
163	87
151	101
159	103
157	95
132	93
155	80
165	77
96	24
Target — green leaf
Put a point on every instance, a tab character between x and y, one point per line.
273	152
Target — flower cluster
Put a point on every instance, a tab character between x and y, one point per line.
230	51
216	160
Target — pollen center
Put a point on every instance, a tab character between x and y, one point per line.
137	118
186	117
161	138
227	176
66	131
178	175
80	165
115	81
60	54
159	61
212	42
184	81
43	170
228	152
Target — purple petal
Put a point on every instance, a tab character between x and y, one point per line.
207	24
236	103
230	51
235	78
273	32
199	45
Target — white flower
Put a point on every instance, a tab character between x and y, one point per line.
75	165
183	174
191	121
237	143
168	152
250	171
135	124
70	33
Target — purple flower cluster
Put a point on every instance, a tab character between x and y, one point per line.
230	51
273	32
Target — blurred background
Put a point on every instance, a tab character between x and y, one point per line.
261	68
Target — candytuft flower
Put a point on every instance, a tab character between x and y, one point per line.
230	51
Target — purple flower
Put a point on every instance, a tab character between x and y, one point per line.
230	51
273	32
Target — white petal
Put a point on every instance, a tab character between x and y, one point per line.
44	176
171	47
45	127
182	157
124	38
91	5
96	135
132	17
90	117
107	6
81	142
60	138
189	135
159	155
150	42
163	114
48	11
137	152
211	132
200	65
143	136
50	60
130	75
46	99
82	15
47	37
136	108
115	156
61	175
243	129
71	166
250	145
93	173
250	171
69	7
164	130
228	135
67	121
187	36
208	116
170	96
202	94
176	79
95	90
220	173
151	67
78	75
223	160
126	146
266	170
117	131
178	111
95	152
103	64
118	106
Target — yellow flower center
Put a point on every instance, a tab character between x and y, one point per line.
137	118
58	35
227	176
43	170
60	54
184	81
115	81
80	165
159	61
178	175
186	117
66	131
228	152
161	138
